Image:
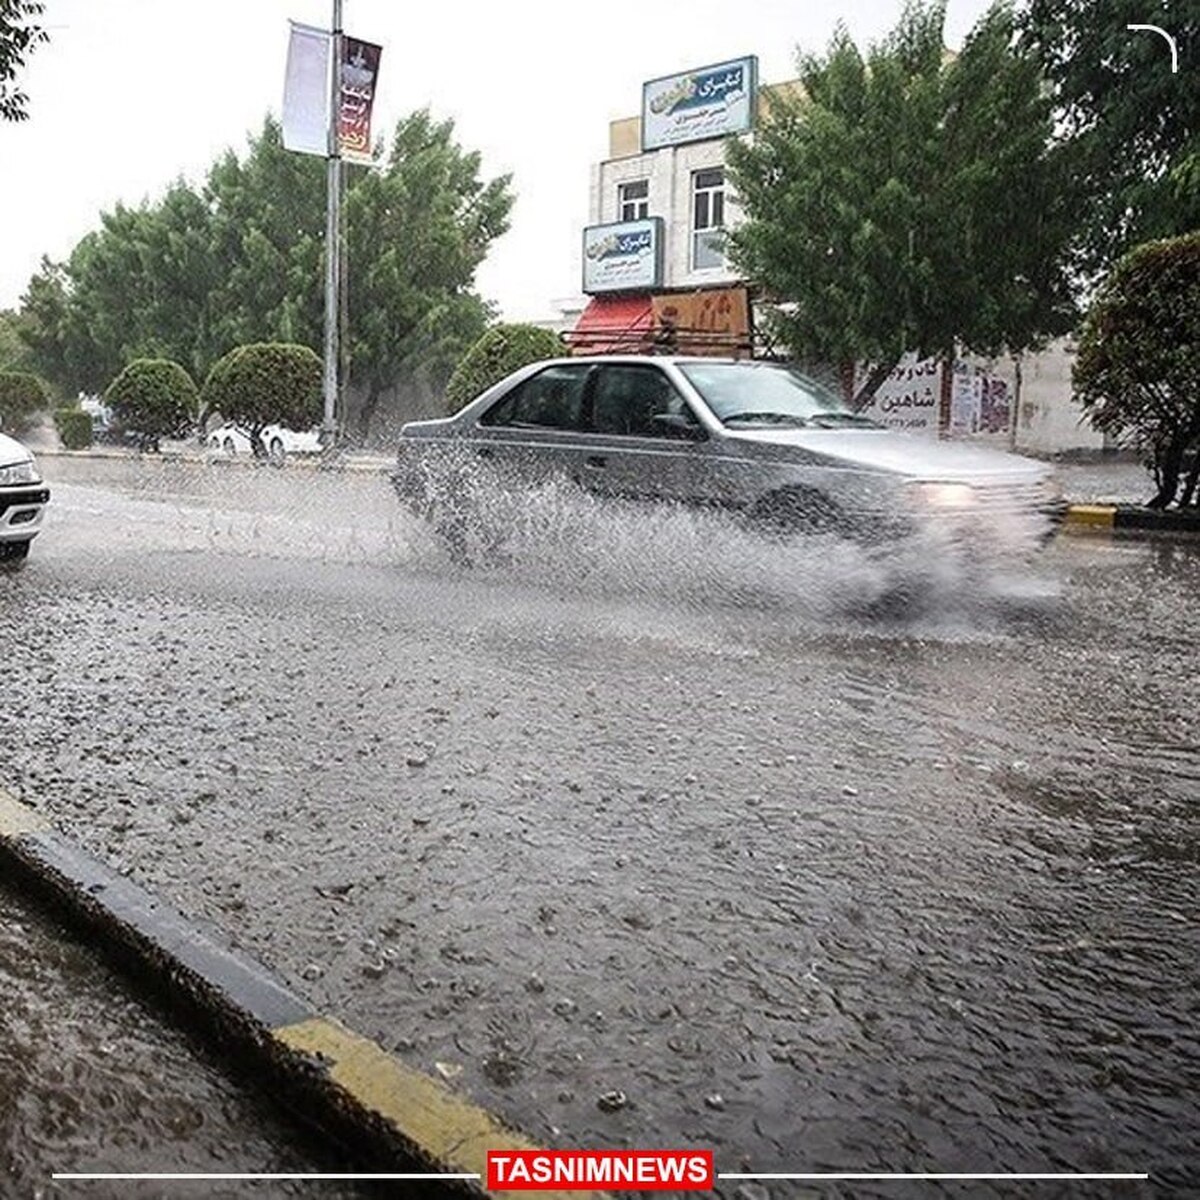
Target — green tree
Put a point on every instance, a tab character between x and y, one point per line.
154	398
906	199
14	353
417	232
20	34
1138	370
242	261
1129	123
21	396
60	346
263	384
267	237
499	352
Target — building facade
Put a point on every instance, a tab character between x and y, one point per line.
654	269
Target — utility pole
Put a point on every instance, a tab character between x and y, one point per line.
333	231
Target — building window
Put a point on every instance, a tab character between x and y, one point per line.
633	200
708	219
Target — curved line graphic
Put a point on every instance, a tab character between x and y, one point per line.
1170	42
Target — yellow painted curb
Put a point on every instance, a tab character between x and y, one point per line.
1091	516
454	1132
17	818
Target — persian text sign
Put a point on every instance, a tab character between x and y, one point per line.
625	257
909	398
711	102
360	72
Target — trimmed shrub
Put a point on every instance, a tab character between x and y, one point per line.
74	428
153	398
500	351
21	396
266	383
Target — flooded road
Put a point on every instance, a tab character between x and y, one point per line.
642	836
91	1079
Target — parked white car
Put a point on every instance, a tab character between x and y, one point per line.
23	500
232	441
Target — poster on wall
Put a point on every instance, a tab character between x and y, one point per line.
623	257
710	102
908	399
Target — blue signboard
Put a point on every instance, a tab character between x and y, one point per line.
711	102
624	257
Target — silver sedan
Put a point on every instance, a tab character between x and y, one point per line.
758	439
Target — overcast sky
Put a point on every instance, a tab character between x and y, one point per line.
130	94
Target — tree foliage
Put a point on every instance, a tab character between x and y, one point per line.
153	398
1138	370
14	354
241	260
21	396
500	351
266	383
1130	125
20	34
903	199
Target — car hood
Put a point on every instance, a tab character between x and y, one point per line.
11	451
907	454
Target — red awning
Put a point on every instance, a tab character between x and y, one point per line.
613	325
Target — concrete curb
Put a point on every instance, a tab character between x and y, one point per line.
343	1084
1128	518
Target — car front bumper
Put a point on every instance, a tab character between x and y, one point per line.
21	511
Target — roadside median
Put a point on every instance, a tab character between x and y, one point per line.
348	1087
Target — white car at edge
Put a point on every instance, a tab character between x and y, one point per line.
233	441
23	500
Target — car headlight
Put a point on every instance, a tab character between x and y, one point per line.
944	495
22	472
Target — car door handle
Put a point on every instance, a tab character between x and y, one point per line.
595	462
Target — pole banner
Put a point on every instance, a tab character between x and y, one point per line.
359	76
306	91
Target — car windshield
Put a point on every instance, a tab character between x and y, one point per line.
768	394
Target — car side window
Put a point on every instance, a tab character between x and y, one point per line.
627	399
551	399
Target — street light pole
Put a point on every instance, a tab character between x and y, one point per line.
333	227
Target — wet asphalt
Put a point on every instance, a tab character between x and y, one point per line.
643	837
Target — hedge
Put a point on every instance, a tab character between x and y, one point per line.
74	428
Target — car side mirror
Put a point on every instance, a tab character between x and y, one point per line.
677	425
